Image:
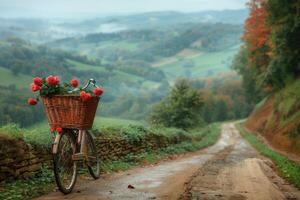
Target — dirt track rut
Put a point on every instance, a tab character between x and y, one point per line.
230	169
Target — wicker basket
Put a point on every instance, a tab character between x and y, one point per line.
69	111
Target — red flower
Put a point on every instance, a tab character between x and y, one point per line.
34	87
74	83
85	96
32	101
59	129
98	91
52	129
38	81
52	80
82	93
88	96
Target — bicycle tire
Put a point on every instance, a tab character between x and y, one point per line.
63	159
94	168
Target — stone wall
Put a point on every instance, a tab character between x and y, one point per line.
110	149
21	160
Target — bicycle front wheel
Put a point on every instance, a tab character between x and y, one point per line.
93	161
65	168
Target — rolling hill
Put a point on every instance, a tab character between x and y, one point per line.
46	30
7	78
135	58
197	64
164	19
189	50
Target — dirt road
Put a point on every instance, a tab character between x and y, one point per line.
230	169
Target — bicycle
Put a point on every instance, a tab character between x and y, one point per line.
75	143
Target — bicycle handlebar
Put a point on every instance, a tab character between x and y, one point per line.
90	82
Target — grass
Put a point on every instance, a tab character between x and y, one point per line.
118	74
208	135
92	49
117	45
287	103
150	85
8	78
85	67
44	182
104	122
38	137
260	104
99	122
287	168
285	110
123	76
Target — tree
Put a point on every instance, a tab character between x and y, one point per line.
283	16
272	42
257	41
256	29
181	108
221	110
253	91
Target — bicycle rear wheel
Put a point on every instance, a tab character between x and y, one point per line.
93	162
65	168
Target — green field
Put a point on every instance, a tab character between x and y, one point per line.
8	78
119	75
124	45
93	50
103	122
204	64
99	122
85	67
150	84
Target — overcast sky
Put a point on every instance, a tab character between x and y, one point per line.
88	8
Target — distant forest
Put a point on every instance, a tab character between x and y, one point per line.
124	64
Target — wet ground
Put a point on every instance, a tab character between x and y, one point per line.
230	169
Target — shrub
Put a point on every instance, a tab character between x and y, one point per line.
180	109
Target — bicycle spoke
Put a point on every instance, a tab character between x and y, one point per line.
93	161
65	167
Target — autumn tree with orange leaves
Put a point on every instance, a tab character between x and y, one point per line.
255	55
271	51
257	30
256	36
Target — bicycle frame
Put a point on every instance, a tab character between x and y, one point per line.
81	140
55	143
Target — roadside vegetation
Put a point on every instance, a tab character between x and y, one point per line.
200	138
268	63
287	168
43	182
190	103
26	189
